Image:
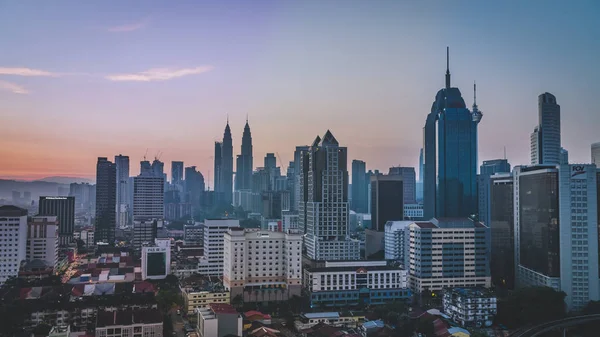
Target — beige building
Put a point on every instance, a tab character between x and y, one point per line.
42	239
129	323
262	265
200	297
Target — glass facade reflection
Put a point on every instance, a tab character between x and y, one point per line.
502	230
539	227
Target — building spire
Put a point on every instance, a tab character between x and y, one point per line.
474	93
227	118
447	67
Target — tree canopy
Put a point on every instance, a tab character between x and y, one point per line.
531	305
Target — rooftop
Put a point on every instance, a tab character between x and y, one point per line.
472	292
356	269
12	211
128	317
222	308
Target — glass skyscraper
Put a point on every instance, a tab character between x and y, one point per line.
450	160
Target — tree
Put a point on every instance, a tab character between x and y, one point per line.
42	329
478	333
237	301
531	305
425	326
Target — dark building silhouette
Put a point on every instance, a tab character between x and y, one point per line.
226	174
486	170
387	193
194	187
217	172
450	155
176	172
243	176
545	139
409	182
64	209
501	224
106	197
359	187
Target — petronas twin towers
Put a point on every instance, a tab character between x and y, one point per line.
223	179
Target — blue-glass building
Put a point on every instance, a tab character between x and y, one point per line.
450	158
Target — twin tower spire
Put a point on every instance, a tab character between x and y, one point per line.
448	80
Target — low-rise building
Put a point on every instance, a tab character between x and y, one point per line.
156	260
397	242
470	306
413	211
86	234
193	234
219	320
262	265
347	319
355	283
128	323
201	293
42	239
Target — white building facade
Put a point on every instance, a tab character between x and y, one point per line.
156	260
42	239
265	264
13	241
211	263
413	211
346	283
397	242
470	306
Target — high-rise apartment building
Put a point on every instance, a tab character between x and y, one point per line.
176	172
244	165
556	230
214	230
420	180
148	197
217	171
323	204
397	242
596	154
13	241
298	162
122	206
438	262
106	199
486	170
545	139
501	224
409	182
144	232
42	239
226	174
64	209
258	261
450	155
359	187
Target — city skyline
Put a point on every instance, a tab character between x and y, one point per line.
127	85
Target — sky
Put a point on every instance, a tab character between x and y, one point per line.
81	79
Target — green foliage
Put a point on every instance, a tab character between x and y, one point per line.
592	307
167	299
42	329
167	325
425	326
531	305
250	223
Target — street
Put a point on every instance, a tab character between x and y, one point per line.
178	324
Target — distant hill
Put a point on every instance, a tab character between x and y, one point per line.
36	188
66	180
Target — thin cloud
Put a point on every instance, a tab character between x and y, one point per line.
25	72
158	74
129	27
12	87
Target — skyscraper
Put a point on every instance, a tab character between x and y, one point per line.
106	198
545	139
420	179
13	242
486	170
176	172
243	176
148	197
387	193
359	186
596	154
194	187
298	162
409	182
270	161
556	230
450	159
324	201
122	206
501	224
226	173
217	171
64	209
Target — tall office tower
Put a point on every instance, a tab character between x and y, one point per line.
122	206
42	239
556	230
290	178
486	170
194	187
596	154
501	224
146	168
217	171
270	161
297	172
450	155
359	187
226	173
148	196
106	198
323	204
420	179
387	193
437	263
545	139
564	156
13	241
243	176
409	181
64	209
176	172
158	167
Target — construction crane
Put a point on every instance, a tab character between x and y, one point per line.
283	168
145	154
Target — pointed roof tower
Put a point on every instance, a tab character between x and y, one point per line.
447	67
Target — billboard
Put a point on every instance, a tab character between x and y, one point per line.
156	264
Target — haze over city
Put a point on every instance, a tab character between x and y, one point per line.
82	80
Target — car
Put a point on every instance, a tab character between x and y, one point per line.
178	312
